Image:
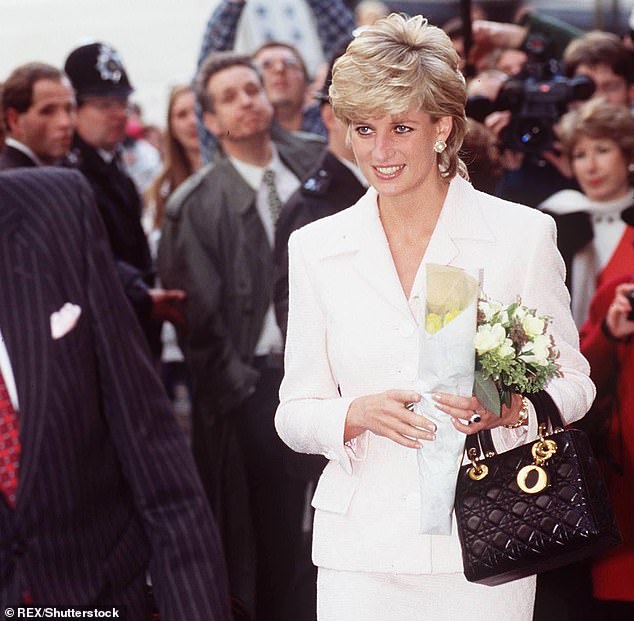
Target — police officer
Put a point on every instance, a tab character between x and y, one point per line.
102	88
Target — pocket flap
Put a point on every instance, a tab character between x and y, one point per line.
335	489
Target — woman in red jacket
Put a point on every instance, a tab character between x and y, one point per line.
607	343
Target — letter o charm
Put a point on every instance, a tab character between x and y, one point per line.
540	484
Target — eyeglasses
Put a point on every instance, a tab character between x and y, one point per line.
289	63
108	104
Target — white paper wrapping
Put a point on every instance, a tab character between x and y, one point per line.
446	364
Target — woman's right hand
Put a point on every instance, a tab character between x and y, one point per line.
616	318
385	414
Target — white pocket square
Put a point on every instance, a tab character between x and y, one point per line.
64	320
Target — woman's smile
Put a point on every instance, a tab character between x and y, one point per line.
395	152
389	172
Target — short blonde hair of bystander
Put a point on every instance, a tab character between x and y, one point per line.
397	64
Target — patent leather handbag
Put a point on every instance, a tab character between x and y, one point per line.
534	508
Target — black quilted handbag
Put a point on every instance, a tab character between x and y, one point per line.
534	508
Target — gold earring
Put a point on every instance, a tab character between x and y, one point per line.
440	145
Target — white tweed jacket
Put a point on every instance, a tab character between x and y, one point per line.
351	332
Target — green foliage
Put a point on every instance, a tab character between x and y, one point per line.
513	353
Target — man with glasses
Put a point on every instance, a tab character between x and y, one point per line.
310	29
102	88
285	82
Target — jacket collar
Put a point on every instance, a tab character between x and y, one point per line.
242	194
294	156
462	217
362	235
16	145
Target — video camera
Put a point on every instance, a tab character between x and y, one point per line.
537	97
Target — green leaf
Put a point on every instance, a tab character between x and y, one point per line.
505	397
487	393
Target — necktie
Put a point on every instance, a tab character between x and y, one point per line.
9	445
273	198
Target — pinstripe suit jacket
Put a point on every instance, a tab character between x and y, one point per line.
106	482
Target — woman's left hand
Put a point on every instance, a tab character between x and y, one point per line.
466	410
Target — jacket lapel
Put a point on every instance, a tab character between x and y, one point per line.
374	263
362	237
242	195
462	218
442	248
26	331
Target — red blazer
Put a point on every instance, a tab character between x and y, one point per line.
612	366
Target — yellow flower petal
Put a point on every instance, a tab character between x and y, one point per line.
433	323
452	314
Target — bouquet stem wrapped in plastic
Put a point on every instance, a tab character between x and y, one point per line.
446	364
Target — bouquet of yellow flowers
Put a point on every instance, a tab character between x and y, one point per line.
514	353
446	364
511	351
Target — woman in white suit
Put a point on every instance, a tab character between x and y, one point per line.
352	348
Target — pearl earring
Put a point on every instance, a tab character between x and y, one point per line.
440	145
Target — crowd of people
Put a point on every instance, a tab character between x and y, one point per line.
168	267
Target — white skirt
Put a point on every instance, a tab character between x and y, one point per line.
359	596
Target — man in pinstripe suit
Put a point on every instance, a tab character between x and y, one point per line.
106	488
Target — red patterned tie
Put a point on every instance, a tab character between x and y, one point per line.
9	445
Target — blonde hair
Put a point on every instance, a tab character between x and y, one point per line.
400	63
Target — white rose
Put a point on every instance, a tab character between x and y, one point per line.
489	308
536	351
533	326
541	347
488	338
520	312
506	350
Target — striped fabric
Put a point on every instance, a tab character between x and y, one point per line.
107	485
